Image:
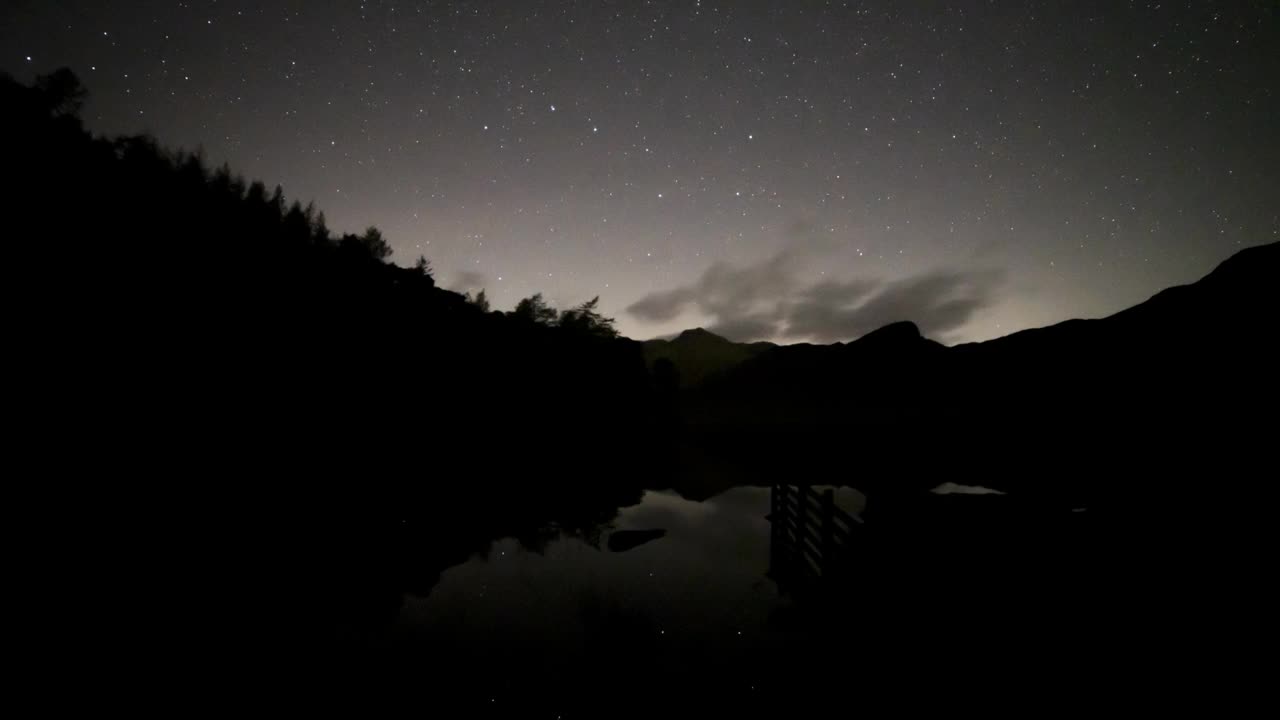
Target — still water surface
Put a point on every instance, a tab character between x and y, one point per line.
699	596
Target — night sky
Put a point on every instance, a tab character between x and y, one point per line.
790	170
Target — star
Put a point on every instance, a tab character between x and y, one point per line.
1035	157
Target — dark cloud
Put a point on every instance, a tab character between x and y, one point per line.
831	292
662	306
466	280
747	329
765	301
742	299
725	290
939	303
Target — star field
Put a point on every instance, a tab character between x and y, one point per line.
768	169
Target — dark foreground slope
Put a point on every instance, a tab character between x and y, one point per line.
1176	386
197	321
213	386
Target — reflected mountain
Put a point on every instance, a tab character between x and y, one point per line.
1034	412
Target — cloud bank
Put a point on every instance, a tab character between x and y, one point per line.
465	281
765	301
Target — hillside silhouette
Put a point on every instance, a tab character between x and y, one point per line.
225	355
698	355
191	287
1190	367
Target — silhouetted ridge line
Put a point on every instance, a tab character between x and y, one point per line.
236	327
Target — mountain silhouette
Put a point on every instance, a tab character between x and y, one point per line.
699	354
1191	366
1228	306
1224	305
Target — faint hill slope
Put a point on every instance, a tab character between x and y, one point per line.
1227	303
699	354
1222	318
804	366
1193	341
1181	383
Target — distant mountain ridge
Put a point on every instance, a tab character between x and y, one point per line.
1216	304
699	354
1170	387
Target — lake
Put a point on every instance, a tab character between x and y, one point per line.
697	598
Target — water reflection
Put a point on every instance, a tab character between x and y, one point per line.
705	576
699	593
677	598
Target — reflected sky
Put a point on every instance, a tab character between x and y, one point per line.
698	594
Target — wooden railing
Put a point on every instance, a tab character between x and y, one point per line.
811	539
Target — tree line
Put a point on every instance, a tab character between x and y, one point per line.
214	204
